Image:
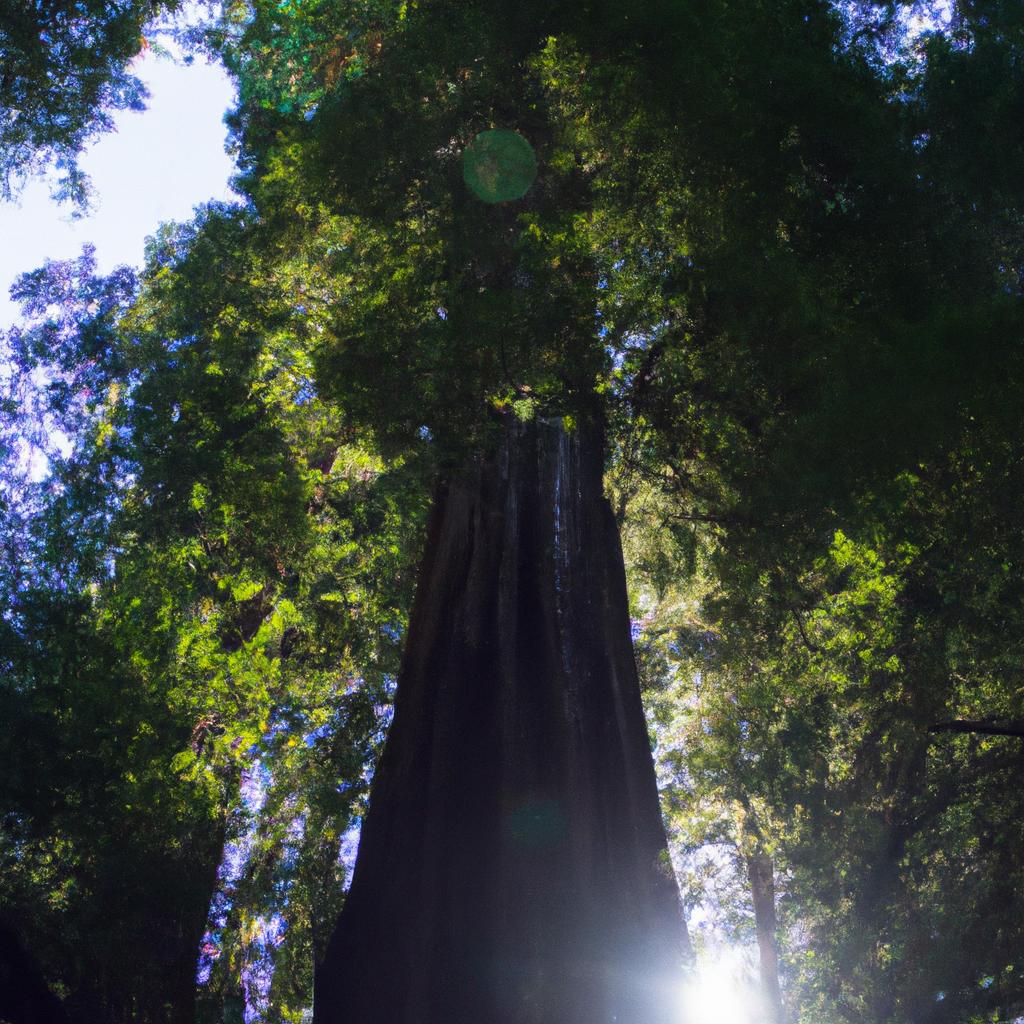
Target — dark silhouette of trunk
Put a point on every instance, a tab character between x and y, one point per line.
25	996
512	867
761	873
178	1000
142	965
981	728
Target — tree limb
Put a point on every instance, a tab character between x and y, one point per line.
984	728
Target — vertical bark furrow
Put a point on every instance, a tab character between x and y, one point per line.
512	866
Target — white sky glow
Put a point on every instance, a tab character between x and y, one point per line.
156	166
721	991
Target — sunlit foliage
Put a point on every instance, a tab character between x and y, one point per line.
776	248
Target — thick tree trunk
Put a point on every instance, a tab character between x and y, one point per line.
761	873
512	867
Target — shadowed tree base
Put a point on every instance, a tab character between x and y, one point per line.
25	997
512	867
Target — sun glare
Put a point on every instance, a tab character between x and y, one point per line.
720	992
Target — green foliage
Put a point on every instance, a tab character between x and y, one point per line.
799	702
240	607
775	247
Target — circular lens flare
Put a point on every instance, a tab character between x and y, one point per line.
499	166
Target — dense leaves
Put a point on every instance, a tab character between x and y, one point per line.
210	583
774	248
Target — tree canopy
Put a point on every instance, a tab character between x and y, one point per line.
770	252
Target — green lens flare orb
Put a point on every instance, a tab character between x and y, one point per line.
499	166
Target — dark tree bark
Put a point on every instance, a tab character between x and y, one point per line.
980	728
512	867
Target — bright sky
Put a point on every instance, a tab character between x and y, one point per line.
156	166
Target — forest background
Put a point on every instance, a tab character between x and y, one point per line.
790	234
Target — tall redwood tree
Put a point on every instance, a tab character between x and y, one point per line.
513	864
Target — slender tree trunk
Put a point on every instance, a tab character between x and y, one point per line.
761	873
512	867
181	993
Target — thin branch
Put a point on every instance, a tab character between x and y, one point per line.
812	647
984	728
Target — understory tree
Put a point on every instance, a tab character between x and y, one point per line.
206	588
